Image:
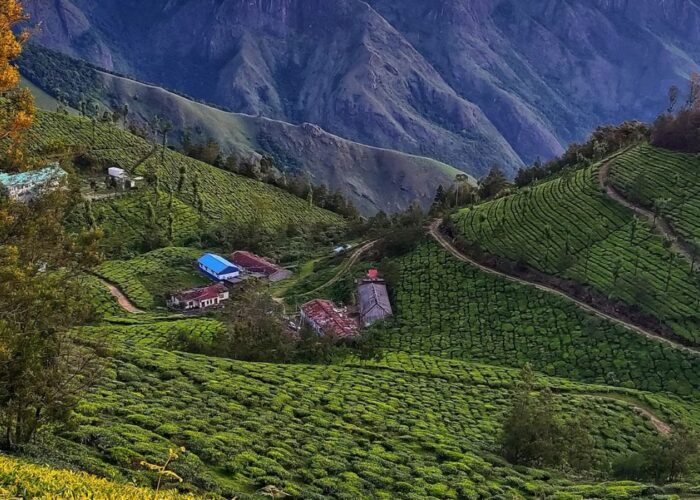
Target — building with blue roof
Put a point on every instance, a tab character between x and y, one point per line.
27	186
217	267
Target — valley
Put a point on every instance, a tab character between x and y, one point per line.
288	294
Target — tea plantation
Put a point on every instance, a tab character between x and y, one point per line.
401	427
206	197
663	181
447	308
569	227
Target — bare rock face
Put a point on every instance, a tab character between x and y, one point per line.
467	82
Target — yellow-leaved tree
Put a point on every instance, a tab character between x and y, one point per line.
17	109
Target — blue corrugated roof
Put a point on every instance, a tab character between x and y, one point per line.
33	176
217	264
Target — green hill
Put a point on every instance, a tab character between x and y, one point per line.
570	228
402	427
208	198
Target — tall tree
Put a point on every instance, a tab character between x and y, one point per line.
17	109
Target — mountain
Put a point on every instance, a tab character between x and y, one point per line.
467	83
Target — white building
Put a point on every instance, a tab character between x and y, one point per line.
27	186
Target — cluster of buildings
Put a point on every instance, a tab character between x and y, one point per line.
239	266
329	319
28	186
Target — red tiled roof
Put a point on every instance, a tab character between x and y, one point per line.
332	320
254	263
204	293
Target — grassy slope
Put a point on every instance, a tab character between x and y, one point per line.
375	178
228	199
571	216
402	427
647	174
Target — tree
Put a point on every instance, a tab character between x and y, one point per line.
673	94
662	459
491	185
17	109
534	434
256	329
42	371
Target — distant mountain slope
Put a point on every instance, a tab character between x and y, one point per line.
374	178
468	83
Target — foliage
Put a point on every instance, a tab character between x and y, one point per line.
603	142
16	104
534	434
447	308
409	426
217	199
662	459
256	330
568	227
662	181
19	479
149	278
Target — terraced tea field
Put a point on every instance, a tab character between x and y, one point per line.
401	427
568	227
208	197
447	308
668	181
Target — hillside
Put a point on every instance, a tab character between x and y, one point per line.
468	83
248	425
569	227
375	179
209	197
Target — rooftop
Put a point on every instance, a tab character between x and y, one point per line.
331	319
217	264
248	260
39	176
204	293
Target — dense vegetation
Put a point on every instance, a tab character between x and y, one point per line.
568	227
447	308
664	182
405	426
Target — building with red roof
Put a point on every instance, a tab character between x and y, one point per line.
199	298
329	320
256	265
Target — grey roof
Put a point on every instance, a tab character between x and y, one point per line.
374	301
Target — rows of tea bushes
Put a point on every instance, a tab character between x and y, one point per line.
149	278
19	479
370	430
192	197
662	181
569	227
448	308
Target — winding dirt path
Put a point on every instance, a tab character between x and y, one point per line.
124	301
347	264
434	231
660	226
662	427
